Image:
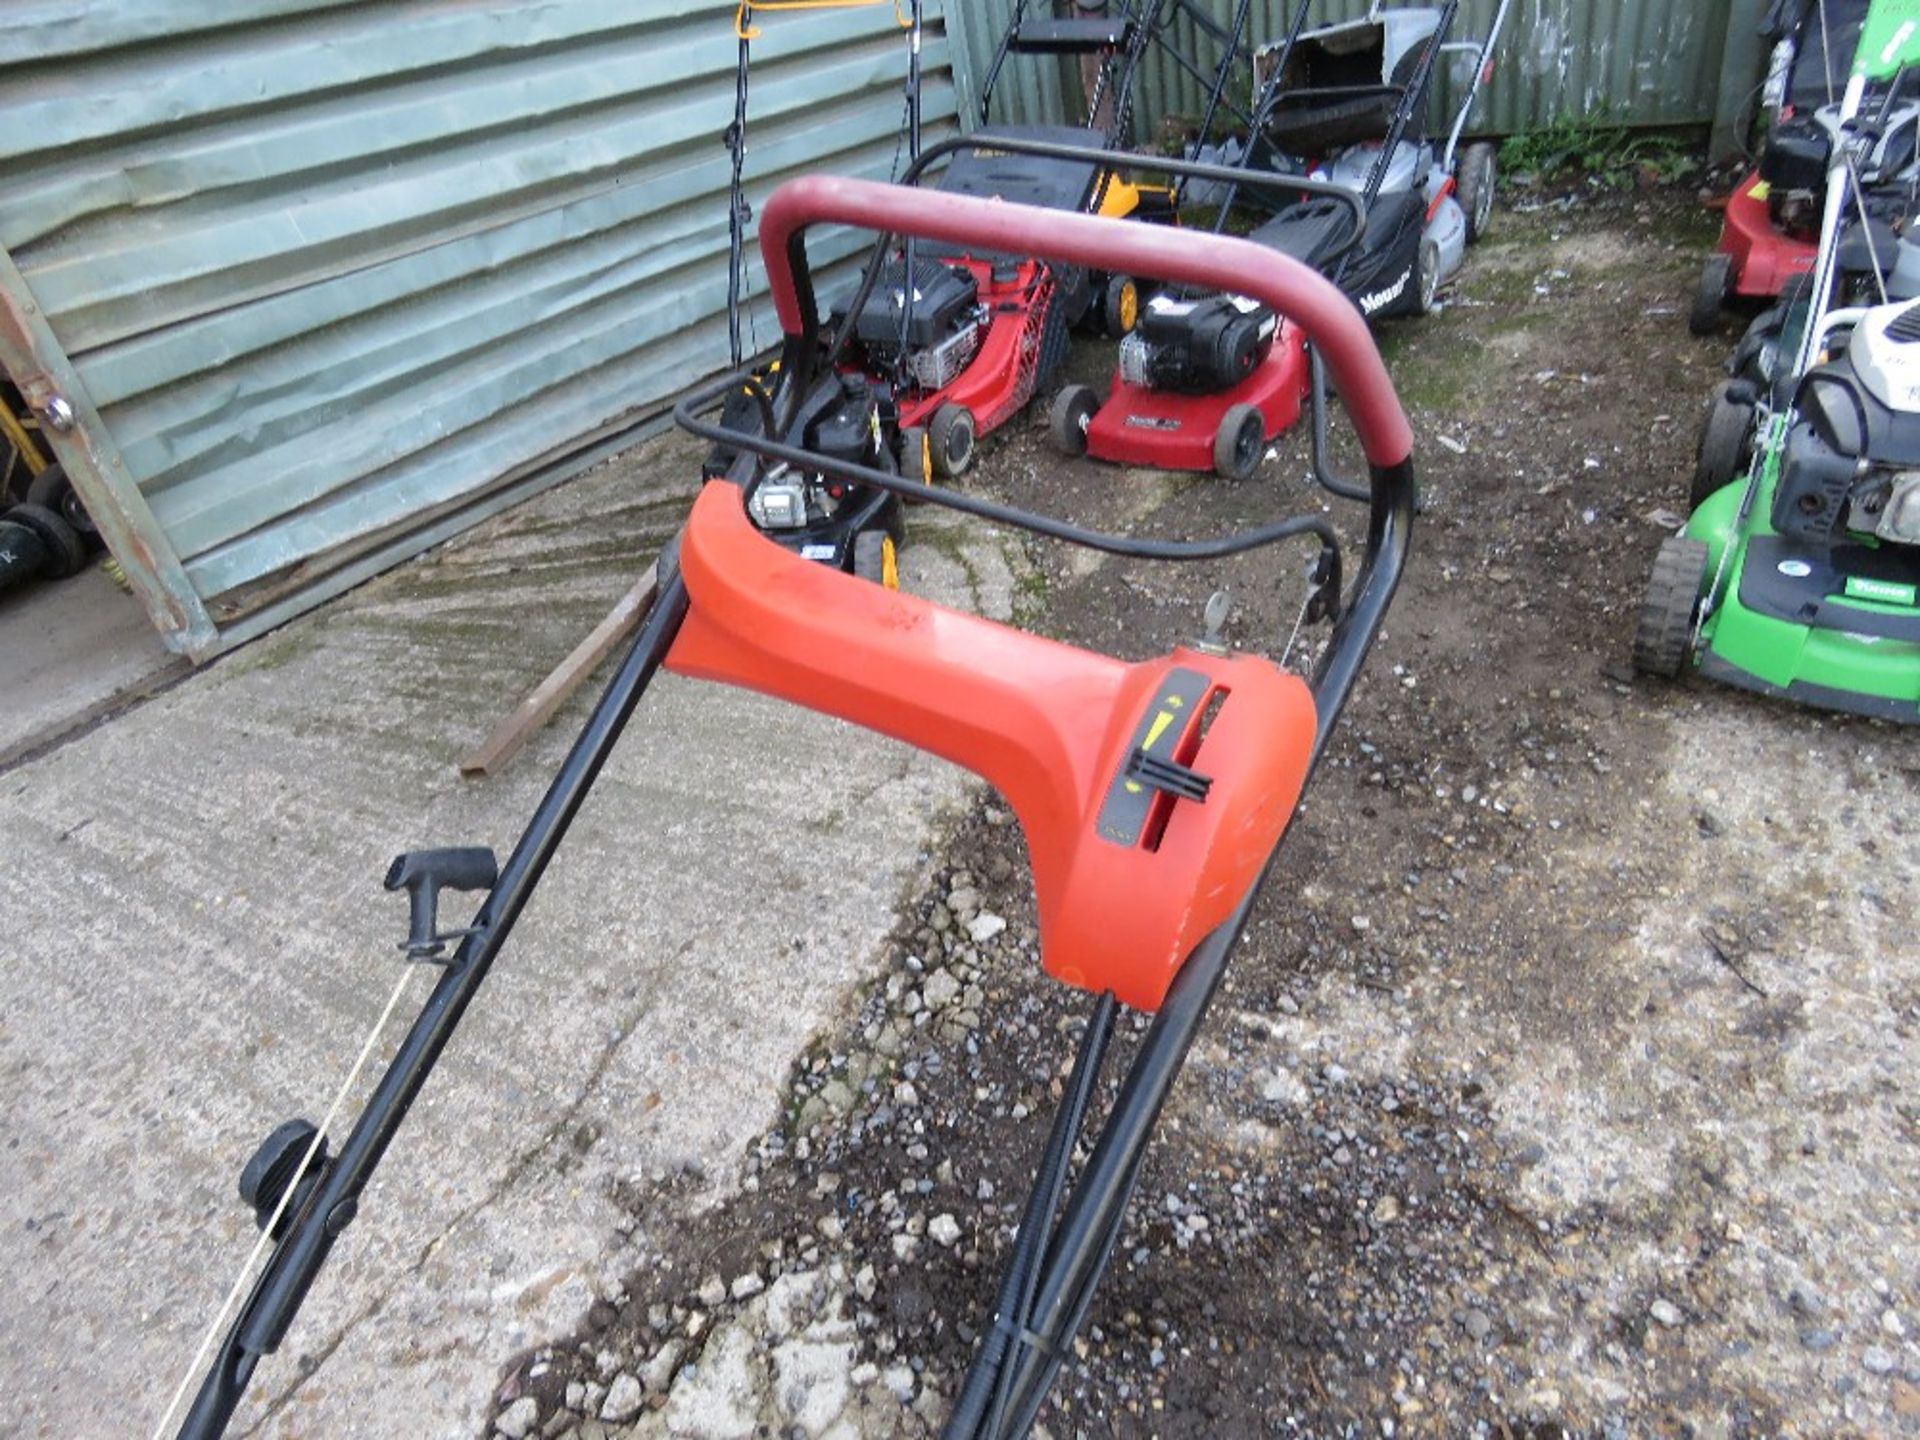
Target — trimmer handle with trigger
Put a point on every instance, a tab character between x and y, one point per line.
423	874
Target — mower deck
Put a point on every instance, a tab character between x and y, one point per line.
1763	258
1795	621
1167	430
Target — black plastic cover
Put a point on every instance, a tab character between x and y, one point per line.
1795	157
1201	347
943	296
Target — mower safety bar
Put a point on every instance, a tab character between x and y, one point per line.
1332	324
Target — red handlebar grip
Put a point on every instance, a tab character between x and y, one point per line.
1122	247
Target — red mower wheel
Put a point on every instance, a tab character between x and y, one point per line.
1239	442
1716	282
1073	410
951	436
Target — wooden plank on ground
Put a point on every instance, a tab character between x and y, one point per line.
492	754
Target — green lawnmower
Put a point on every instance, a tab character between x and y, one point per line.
1800	576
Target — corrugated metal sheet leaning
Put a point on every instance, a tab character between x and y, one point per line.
317	276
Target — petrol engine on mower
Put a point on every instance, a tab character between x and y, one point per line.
1197	347
1852	459
840	417
930	334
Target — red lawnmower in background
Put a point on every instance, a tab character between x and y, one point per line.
1771	227
965	338
968	341
1365	195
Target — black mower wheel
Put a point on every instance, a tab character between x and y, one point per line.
1723	451
1238	443
1067	422
1664	633
916	459
1120	305
1426	276
52	489
952	435
877	558
1474	179
66	548
1056	341
1716	282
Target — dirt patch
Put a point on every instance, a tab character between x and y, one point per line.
1562	1083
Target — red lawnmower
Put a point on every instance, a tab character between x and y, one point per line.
1771	227
964	337
968	341
1153	793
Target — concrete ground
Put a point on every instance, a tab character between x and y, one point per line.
193	941
70	651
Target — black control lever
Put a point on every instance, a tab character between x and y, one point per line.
423	874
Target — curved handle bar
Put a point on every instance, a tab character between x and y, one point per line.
1330	321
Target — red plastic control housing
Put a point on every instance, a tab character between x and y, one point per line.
1051	727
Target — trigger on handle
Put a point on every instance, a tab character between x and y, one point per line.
423	874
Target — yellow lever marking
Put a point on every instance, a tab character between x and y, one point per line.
1159	728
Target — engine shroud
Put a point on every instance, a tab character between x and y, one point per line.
1197	347
941	328
1852	457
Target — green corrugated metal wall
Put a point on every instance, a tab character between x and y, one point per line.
313	275
1654	62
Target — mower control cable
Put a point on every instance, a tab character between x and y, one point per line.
1237	542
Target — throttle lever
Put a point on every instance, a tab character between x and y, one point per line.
423	874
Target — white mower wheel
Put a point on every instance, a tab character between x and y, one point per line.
952	435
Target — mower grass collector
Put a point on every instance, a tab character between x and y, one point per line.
1153	793
1800	577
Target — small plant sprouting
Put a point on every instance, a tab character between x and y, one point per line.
1598	146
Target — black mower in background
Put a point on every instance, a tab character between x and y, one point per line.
45	532
1154	793
37	543
851	527
1348	103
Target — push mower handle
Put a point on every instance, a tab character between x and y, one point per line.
1332	325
